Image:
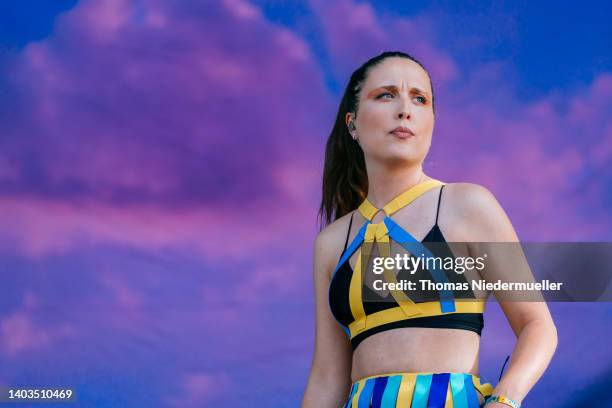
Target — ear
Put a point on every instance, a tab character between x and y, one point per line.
348	118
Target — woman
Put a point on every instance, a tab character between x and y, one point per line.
373	162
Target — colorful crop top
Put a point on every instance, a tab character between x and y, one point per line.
363	312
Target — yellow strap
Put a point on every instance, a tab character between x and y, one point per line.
355	401
368	210
409	196
427	309
378	233
375	232
404	396
406	304
485	389
449	397
372	233
355	296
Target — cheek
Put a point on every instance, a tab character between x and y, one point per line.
426	121
373	117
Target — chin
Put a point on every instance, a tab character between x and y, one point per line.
402	155
408	150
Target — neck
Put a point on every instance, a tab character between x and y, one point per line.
384	183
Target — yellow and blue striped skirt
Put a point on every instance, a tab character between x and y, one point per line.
418	390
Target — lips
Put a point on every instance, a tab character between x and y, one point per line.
402	132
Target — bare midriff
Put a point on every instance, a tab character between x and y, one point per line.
416	350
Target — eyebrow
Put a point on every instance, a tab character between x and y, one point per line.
394	88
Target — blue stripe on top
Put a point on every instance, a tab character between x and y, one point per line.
353	246
412	245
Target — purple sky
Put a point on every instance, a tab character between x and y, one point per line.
160	171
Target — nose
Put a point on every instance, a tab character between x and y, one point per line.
404	112
404	115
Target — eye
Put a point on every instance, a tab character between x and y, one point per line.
421	99
384	93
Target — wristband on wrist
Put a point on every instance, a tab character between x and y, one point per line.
502	400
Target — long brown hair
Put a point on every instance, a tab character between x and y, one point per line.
345	179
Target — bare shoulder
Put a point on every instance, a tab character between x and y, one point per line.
329	243
469	198
472	213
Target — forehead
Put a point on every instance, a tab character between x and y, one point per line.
399	72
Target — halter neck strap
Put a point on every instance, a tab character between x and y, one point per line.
368	210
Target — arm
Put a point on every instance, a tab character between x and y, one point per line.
329	380
531	321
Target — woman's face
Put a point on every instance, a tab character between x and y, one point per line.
396	92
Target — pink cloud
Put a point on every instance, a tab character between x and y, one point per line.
355	31
242	9
534	157
39	227
200	388
21	332
126	300
114	125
